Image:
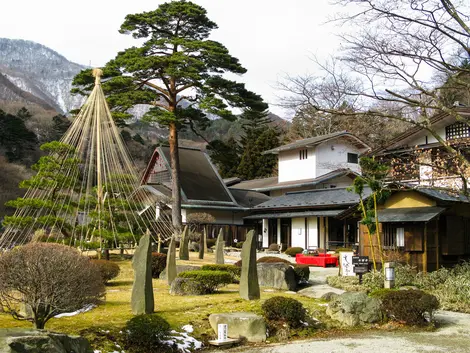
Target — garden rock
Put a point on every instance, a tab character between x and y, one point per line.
179	269
142	301
277	275
27	341
241	325
193	246
355	308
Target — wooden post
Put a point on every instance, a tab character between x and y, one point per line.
437	244
344	233
425	246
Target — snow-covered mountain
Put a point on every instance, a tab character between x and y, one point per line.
28	68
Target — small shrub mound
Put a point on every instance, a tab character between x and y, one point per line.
144	333
209	281
286	310
350	284
233	270
158	264
273	259
408	306
293	251
210	243
108	269
239	245
302	273
273	247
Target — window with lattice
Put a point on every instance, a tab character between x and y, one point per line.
457	131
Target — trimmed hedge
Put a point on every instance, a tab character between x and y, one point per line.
286	310
211	242
158	264
144	333
239	245
273	259
108	269
273	247
210	281
232	269
408	306
293	251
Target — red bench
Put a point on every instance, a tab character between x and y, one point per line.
321	260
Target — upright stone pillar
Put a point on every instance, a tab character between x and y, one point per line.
205	241
171	261
249	285
142	301
202	244
219	248
184	244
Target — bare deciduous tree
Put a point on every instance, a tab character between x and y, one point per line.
41	280
410	57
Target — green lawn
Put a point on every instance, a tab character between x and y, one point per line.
177	310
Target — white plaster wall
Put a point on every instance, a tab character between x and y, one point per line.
421	138
312	237
332	155
298	232
265	233
341	182
291	167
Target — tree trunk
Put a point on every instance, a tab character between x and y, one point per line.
175	178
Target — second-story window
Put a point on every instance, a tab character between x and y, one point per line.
303	154
352	158
457	131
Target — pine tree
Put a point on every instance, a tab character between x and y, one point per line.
178	71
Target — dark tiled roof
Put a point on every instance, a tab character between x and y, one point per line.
322	213
256	184
314	198
248	198
443	195
269	184
313	141
199	179
415	214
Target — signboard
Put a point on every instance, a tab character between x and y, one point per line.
346	264
360	269
222	332
360	260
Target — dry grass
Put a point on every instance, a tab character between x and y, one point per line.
178	311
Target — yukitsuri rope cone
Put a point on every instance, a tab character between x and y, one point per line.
93	192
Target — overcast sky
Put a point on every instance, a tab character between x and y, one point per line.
270	37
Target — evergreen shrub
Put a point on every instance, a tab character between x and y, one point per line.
273	259
293	251
158	264
232	269
145	333
108	269
210	281
409	306
284	309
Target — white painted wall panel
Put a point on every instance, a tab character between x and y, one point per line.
298	232
312	237
333	155
291	167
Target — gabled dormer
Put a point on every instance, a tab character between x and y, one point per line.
316	156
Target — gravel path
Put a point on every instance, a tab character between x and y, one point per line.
453	335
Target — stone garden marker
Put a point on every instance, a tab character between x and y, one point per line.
249	285
184	244
203	244
142	301
219	248
171	262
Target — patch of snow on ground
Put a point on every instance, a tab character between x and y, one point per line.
83	310
183	341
